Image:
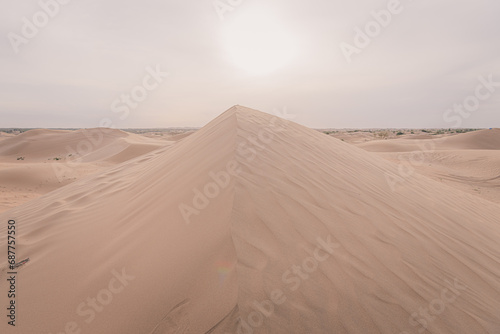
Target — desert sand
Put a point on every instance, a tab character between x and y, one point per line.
39	161
469	162
255	224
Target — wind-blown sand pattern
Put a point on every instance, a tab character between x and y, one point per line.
254	224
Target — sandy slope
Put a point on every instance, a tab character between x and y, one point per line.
4	135
477	140
39	161
469	161
86	144
301	233
20	182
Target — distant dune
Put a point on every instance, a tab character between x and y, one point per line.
254	224
39	161
476	140
86	144
4	135
469	161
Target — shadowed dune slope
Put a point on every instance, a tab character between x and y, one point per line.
306	236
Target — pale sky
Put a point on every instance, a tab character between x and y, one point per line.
91	60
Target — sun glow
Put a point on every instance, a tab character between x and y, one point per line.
257	43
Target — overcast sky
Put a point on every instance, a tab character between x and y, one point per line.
91	60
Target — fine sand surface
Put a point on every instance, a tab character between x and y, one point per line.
254	224
468	161
39	161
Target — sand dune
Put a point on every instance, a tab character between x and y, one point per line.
254	224
474	171
39	161
477	140
180	136
86	144
4	135
20	183
469	161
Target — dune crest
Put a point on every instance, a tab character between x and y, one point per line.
255	224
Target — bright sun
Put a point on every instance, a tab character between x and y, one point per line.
257	43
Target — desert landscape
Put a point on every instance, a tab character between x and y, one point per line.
250	167
36	162
253	224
